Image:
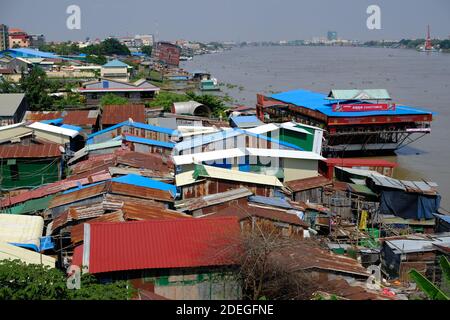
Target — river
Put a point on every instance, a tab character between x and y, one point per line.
412	78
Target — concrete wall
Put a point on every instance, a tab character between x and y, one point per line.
299	169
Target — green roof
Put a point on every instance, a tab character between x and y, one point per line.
361	189
355	94
30	206
115	64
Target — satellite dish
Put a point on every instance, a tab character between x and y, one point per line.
61	148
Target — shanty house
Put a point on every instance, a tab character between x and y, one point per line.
309	189
12	108
28	166
138	91
206	180
198	263
132	128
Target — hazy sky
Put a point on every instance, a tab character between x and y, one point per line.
236	20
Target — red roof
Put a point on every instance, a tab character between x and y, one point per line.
44	150
350	162
158	244
113	114
42	115
81	117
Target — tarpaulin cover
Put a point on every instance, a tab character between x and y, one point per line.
409	205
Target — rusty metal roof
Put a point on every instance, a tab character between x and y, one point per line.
80	117
42	115
77	195
40	150
113	114
309	183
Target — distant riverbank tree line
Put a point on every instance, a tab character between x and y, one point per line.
409	43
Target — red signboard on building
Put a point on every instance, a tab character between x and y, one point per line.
363	107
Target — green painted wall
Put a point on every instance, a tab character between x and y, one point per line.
32	172
305	141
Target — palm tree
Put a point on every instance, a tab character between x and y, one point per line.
429	288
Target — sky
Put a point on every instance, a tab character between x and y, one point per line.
229	20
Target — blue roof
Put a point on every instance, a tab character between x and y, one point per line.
274	202
240	119
319	102
442	217
53	121
115	64
141	181
69	126
221	135
149	141
79	187
30	53
134	125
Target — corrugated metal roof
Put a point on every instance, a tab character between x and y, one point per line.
54	129
355	94
408	245
246	121
274	202
309	183
9	103
442	217
140	181
213	199
319	102
234	175
11	252
42	150
115	64
135	125
208	156
80	117
114	114
150	142
282	153
21	229
159	244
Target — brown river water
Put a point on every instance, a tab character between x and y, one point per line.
412	78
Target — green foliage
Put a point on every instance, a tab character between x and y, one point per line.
71	99
112	98
36	87
445	267
21	281
166	99
428	287
107	47
147	50
8	87
94	59
215	103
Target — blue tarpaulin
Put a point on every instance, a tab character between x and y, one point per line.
409	205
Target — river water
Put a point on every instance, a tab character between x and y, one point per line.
412	78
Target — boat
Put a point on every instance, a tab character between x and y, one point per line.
356	121
185	58
209	85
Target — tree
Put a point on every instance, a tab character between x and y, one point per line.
215	103
147	50
166	99
8	87
21	281
112	98
36	86
429	288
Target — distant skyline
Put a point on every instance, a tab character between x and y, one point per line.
229	20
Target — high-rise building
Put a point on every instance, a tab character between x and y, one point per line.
36	40
147	39
4	37
332	35
18	38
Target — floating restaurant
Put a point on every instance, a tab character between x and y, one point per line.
361	121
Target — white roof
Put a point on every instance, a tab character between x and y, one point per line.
54	129
9	251
407	245
292	126
194	130
282	153
293	123
12	126
187	178
208	156
263	128
21	229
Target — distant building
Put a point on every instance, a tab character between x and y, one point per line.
147	39
167	53
4	37
18	38
13	108
116	70
36	40
332	35
139	91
